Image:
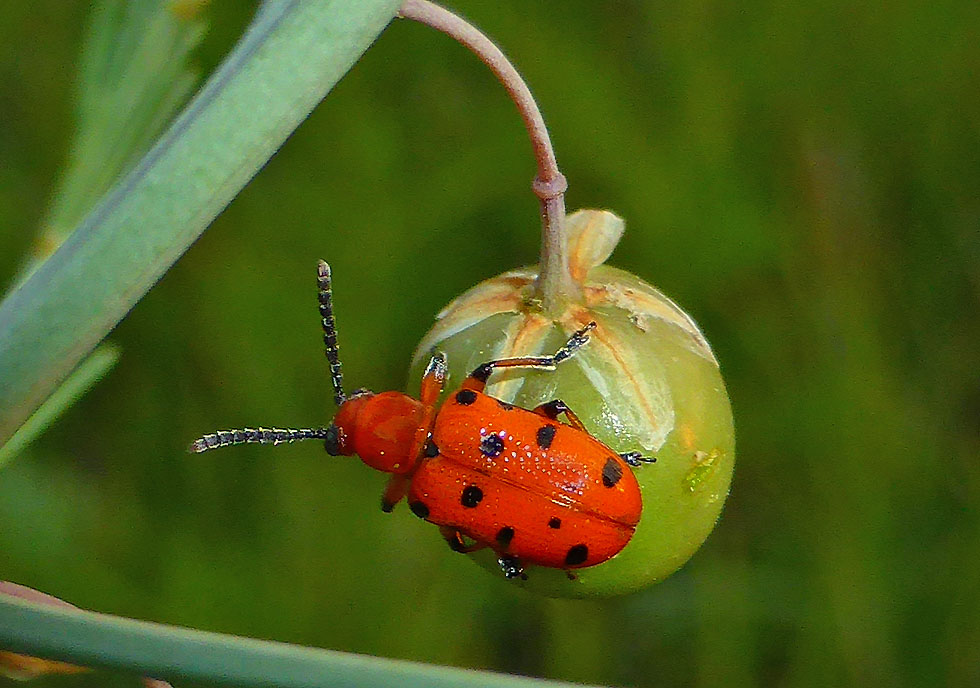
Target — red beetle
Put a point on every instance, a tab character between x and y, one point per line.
488	473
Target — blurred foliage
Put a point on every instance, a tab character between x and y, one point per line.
279	71
146	46
131	79
801	178
88	373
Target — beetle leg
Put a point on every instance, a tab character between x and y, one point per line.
636	459
455	541
478	378
511	567
432	383
433	380
396	488
555	408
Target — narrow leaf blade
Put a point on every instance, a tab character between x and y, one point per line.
91	639
291	56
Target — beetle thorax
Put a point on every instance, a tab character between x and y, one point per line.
381	429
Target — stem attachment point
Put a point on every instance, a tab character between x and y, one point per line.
551	188
554	287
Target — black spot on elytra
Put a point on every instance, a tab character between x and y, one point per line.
419	509
491	446
465	397
611	472
555	522
505	535
472	495
546	435
577	555
430	448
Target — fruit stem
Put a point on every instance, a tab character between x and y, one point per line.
554	286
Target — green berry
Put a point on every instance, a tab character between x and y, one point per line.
647	381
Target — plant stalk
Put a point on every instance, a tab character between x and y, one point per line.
182	654
554	286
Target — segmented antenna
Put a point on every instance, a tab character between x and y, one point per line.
228	438
324	295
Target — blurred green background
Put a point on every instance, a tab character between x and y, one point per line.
802	177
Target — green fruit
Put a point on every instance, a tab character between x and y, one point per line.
647	381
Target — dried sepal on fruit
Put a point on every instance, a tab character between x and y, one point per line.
647	381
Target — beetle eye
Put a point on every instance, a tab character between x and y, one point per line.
332	440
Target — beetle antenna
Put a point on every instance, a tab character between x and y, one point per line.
324	296
228	438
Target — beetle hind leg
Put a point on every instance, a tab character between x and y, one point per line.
511	566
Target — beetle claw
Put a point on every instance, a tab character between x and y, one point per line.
636	459
512	567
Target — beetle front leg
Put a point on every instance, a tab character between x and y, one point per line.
477	380
433	380
395	490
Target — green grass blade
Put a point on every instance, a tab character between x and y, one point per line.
90	371
173	653
291	56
